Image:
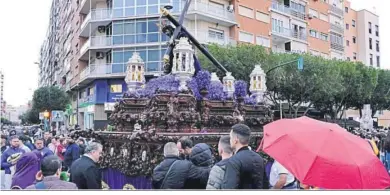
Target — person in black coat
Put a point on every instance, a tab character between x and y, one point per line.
172	172
245	169
202	161
84	172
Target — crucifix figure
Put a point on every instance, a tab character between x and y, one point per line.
179	31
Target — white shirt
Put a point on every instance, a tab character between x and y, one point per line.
276	170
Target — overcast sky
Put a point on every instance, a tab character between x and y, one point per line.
24	24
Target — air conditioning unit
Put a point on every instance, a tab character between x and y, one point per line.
230	8
310	16
99	55
101	29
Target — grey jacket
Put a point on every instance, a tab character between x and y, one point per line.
53	182
217	175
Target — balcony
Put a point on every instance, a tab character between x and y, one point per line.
283	9
337	11
280	8
281	31
337	46
209	37
337	28
299	35
95	18
93	72
210	13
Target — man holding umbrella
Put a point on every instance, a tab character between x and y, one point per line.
281	178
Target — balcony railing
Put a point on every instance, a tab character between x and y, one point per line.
97	15
102	70
101	41
210	37
336	10
280	7
299	35
337	28
280	30
211	10
337	46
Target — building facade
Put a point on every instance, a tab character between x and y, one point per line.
95	39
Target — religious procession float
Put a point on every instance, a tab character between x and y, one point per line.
186	101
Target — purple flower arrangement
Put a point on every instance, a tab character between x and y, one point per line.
166	83
216	91
240	89
203	79
250	100
193	85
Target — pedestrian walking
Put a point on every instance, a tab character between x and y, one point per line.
7	162
39	145
49	176
3	148
26	169
185	145
85	172
46	139
23	139
202	160
245	169
217	173
281	178
172	172
72	153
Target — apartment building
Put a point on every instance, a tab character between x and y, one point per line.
97	37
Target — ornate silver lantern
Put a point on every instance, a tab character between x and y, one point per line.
228	84
135	74
257	83
183	62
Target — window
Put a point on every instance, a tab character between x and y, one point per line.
377	30
324	37
263	41
116	88
298	7
244	11
314	13
370	43
353	23
377	46
336	39
371	60
216	34
90	91
348	59
246	37
354	39
378	61
369	27
313	33
324	17
347	26
347	42
354	55
262	17
346	9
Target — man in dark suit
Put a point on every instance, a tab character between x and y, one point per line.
84	172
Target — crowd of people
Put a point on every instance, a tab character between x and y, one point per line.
46	162
60	162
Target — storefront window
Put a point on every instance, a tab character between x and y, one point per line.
116	88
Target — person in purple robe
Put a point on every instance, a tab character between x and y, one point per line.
26	169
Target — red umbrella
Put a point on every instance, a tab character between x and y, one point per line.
324	155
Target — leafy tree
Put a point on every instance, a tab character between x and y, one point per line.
49	98
380	99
